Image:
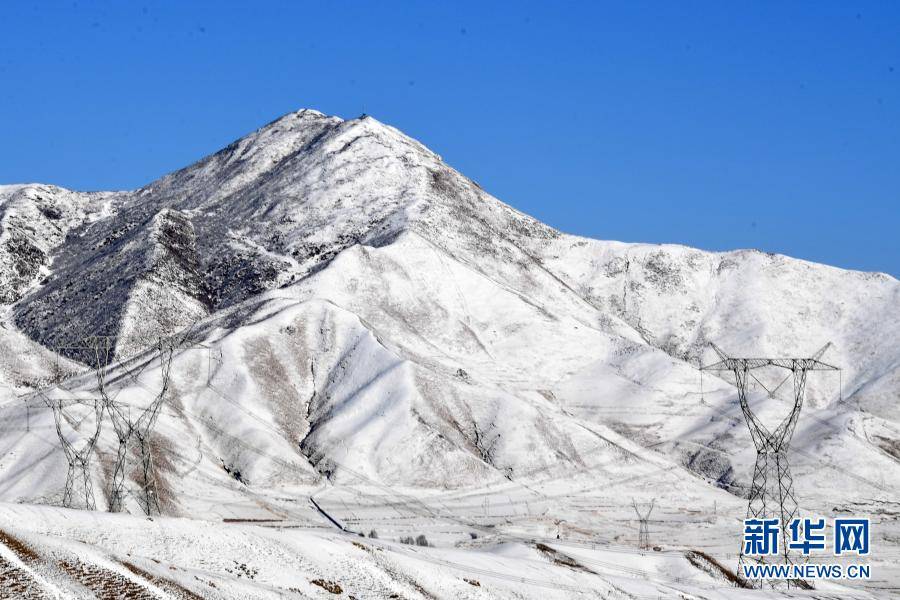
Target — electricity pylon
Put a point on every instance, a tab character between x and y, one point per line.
78	476
140	428
143	428
772	490
644	532
99	354
79	480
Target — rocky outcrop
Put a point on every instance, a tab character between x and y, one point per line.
168	296
34	220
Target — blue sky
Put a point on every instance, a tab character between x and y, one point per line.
719	125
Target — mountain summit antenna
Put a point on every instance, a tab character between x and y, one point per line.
772	490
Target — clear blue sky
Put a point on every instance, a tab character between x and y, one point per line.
768	125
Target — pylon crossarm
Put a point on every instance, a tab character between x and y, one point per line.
821	351
719	351
732	364
806	364
811	364
722	365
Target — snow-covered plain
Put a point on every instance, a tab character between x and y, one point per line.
378	345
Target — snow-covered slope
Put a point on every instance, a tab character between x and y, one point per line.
373	330
61	553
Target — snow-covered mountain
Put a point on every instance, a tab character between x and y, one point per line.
375	331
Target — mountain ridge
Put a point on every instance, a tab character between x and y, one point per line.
498	337
374	343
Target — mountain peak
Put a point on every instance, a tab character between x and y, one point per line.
267	210
378	314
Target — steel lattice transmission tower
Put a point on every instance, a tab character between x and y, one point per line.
772	491
78	477
644	531
98	353
141	428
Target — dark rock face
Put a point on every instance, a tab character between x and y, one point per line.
34	220
174	260
143	257
26	260
168	296
141	265
266	211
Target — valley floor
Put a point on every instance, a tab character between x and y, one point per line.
301	552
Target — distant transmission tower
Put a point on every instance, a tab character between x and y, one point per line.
772	490
140	428
98	353
143	428
643	518
78	476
